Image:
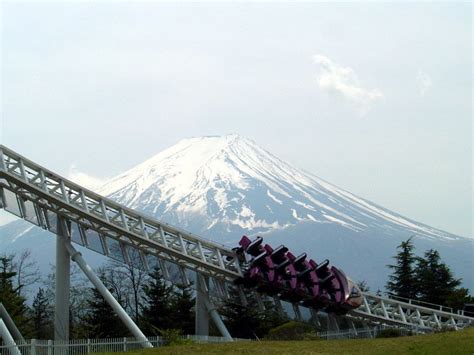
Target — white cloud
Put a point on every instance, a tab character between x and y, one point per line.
423	81
343	82
88	181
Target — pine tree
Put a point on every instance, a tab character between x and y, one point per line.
425	278
436	280
11	298
459	298
101	321
270	318
249	321
241	321
41	316
363	286
157	306
182	310
402	282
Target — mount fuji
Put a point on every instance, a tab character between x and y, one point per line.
222	187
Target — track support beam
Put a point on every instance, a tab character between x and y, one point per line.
204	308
109	298
8	339
333	324
62	283
10	324
201	316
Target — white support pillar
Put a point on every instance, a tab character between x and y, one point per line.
333	324
8	339
217	319
11	326
109	298
367	328
351	323
204	308
62	284
201	315
315	318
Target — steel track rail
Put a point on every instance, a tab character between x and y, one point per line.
54	193
389	311
40	195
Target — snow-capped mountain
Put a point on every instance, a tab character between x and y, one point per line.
224	187
229	183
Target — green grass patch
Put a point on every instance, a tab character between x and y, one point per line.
461	342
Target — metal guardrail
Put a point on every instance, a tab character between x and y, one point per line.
385	310
447	309
108	218
367	332
39	196
424	304
86	346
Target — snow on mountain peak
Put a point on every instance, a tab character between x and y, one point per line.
223	187
229	183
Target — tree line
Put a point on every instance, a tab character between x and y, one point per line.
425	278
156	305
153	303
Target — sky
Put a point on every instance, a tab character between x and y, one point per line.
375	98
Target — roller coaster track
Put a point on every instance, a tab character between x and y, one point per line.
39	196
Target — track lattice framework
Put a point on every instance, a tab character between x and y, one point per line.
39	196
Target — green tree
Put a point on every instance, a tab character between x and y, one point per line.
41	316
182	310
249	321
11	298
403	281
100	320
79	296
363	286
127	280
157	303
436	281
458	298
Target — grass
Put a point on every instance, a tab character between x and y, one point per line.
461	342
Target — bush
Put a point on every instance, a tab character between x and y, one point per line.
444	329
173	337
292	331
389	333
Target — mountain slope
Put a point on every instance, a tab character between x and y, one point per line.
231	182
224	187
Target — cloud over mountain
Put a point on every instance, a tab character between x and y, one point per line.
344	82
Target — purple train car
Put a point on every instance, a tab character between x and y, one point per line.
296	279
